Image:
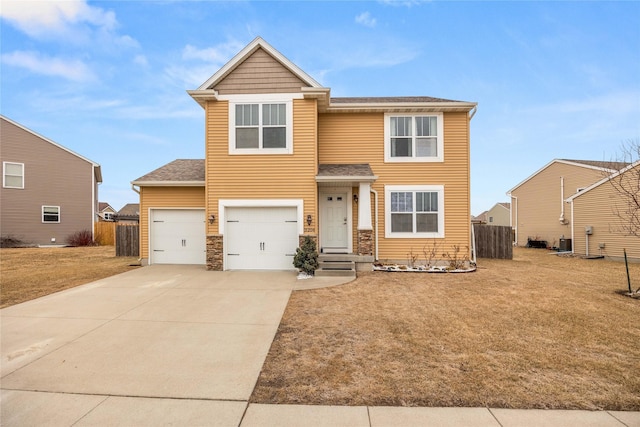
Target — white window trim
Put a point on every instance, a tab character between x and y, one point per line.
413	159
51	222
4	174
275	98
388	189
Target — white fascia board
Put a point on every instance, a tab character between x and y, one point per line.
168	183
258	42
602	181
52	143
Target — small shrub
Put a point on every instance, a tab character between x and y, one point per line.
81	238
306	258
12	242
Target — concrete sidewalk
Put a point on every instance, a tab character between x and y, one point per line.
178	345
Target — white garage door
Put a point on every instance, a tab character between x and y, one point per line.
178	236
262	238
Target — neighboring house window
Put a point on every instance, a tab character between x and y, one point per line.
414	211
261	128
13	175
51	214
490	219
108	216
414	137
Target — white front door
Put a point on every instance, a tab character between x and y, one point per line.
178	236
260	238
334	222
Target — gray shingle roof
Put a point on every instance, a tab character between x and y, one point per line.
388	99
599	164
180	170
130	209
362	169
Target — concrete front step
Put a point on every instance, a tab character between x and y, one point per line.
335	273
337	265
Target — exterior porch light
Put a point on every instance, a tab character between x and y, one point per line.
355	198
309	219
212	219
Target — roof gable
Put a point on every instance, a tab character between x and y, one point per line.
589	164
96	167
258	44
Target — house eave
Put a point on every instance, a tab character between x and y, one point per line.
168	183
394	107
352	181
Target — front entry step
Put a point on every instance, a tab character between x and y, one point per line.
335	265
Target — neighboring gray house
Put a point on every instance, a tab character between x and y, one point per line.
48	191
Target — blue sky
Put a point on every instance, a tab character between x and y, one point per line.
108	79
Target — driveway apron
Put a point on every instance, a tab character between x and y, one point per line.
171	332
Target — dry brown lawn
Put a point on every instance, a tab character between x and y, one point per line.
28	273
540	331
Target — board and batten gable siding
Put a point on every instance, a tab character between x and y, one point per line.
597	208
165	197
359	138
52	177
539	202
259	73
262	176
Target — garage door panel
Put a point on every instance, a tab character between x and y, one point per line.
178	236
261	238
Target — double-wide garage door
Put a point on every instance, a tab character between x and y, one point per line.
178	236
263	238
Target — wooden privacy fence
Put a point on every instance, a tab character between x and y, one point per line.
105	233
128	240
493	241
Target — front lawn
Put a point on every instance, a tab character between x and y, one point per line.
540	331
28	273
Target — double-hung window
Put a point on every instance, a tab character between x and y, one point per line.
414	137
414	211
51	214
261	128
13	175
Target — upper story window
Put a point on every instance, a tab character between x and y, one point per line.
51	214
414	211
413	137
13	175
261	127
108	216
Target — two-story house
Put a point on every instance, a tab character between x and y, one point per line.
48	191
372	177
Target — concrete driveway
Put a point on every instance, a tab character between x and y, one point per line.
146	345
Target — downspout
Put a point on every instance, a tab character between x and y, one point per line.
375	208
516	218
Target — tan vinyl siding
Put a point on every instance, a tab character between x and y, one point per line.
500	216
165	197
259	73
52	177
597	208
539	202
262	176
359	138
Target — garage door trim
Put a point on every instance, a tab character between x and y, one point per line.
150	232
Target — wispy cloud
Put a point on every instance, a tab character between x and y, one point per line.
404	3
366	19
218	54
38	18
70	69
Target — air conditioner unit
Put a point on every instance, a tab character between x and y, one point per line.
588	229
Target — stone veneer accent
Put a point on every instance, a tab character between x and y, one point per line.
365	242
215	254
